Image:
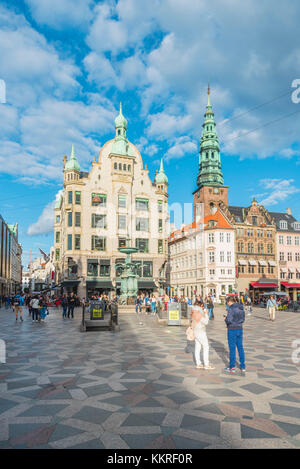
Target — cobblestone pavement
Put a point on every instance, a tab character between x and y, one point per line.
60	388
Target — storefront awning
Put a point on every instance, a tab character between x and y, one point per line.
252	262
292	269
272	263
99	283
283	269
262	262
146	284
70	283
242	262
291	285
263	285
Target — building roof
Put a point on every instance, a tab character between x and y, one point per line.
283	216
72	164
161	177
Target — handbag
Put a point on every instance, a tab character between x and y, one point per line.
190	334
190	346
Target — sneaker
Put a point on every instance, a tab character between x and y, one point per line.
243	371
21	319
200	366
229	370
209	367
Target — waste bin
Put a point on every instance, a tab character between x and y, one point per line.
174	314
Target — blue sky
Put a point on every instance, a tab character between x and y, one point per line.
68	63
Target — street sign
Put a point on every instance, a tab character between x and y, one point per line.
96	310
174	314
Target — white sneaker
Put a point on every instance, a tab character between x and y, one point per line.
200	366
209	367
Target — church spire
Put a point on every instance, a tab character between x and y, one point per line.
210	172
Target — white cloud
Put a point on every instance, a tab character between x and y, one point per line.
181	147
59	14
45	222
279	190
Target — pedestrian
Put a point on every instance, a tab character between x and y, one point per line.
71	305
272	306
248	305
35	308
153	304
234	321
17	303
199	322
64	303
138	302
210	307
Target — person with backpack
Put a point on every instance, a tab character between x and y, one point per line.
35	307
272	306
64	303
18	302
234	321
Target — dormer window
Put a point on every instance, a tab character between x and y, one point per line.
296	226
283	225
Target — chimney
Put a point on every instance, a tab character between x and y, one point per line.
289	211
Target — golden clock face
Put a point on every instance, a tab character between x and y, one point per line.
216	191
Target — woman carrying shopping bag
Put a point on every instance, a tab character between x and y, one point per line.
199	322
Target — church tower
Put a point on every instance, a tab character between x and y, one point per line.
211	190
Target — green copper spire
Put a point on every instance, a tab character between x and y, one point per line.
72	164
161	177
210	172
121	145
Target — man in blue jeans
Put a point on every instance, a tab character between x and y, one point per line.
234	321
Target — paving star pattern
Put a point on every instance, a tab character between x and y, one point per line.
137	388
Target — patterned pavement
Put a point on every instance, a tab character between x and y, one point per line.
137	388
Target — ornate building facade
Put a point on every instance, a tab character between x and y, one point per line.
10	259
102	210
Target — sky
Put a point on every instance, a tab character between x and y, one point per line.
67	64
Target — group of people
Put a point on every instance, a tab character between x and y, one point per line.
196	333
149	303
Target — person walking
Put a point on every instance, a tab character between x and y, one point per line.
71	305
210	307
234	321
248	305
272	306
64	303
18	302
199	322
35	307
153	304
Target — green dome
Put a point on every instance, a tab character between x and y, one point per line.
120	120
161	177
72	164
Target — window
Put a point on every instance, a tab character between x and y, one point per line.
260	248
250	269
70	197
77	219
160	206
211	257
289	256
270	248
297	256
122	242
142	224
283	225
57	254
69	245
228	237
221	237
92	267
141	204
250	247
122	201
281	256
160	225
144	268
122	222
98	200
222	256
270	269
240	246
261	269
241	269
69	218
211	238
104	268
98	221
57	237
290	275
280	239
282	275
142	244
77	241
115	165
249	232
211	272
254	221
160	246
296	240
228	256
289	240
98	243
77	198
129	167
57	218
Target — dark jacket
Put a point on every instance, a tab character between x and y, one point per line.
235	316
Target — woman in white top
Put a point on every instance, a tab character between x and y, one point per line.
199	322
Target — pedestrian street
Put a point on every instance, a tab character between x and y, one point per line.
137	388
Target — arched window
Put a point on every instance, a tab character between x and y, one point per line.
124	167
119	131
120	166
207	155
129	167
116	166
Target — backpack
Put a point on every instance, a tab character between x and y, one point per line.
16	301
